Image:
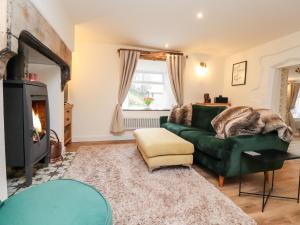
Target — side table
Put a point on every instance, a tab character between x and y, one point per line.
268	157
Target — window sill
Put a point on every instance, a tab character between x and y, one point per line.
147	110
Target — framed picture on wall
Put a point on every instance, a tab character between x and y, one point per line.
239	71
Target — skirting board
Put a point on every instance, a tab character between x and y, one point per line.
125	137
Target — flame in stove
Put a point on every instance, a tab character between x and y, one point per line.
36	122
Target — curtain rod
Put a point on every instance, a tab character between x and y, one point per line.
155	51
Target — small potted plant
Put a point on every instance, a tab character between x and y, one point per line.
148	100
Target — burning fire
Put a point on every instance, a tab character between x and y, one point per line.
36	122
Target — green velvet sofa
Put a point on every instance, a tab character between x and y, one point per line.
223	155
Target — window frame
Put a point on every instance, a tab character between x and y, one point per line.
150	82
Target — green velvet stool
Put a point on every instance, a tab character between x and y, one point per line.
59	202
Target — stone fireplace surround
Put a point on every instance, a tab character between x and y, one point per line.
21	22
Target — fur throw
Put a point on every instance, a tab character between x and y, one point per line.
182	115
272	121
220	121
242	120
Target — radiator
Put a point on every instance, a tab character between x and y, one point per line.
135	123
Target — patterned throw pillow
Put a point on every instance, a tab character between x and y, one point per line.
181	115
187	112
175	116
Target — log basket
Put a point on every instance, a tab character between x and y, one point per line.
55	147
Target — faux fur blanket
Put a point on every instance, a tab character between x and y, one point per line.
243	120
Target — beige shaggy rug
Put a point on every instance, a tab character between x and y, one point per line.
172	196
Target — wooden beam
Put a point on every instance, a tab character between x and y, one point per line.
19	20
22	15
153	55
160	56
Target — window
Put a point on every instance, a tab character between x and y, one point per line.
150	88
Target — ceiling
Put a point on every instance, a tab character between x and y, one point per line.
227	26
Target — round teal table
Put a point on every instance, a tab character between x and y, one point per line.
59	202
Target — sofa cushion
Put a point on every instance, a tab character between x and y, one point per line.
211	146
194	136
203	115
177	128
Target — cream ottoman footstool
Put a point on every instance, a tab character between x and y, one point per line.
160	147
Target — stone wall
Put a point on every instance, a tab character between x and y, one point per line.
284	94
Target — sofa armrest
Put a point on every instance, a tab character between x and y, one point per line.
162	120
234	146
258	142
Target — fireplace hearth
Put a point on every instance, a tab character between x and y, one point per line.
26	123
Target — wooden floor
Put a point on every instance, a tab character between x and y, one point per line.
277	211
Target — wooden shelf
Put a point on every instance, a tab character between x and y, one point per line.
68	123
214	104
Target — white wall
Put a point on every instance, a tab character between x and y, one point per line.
3	183
196	86
264	62
53	11
51	75
94	88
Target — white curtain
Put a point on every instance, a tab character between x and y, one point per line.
293	90
128	62
176	66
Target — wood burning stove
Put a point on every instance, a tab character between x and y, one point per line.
26	122
23	149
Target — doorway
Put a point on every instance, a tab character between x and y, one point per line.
289	107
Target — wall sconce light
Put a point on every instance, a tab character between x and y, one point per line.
202	69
